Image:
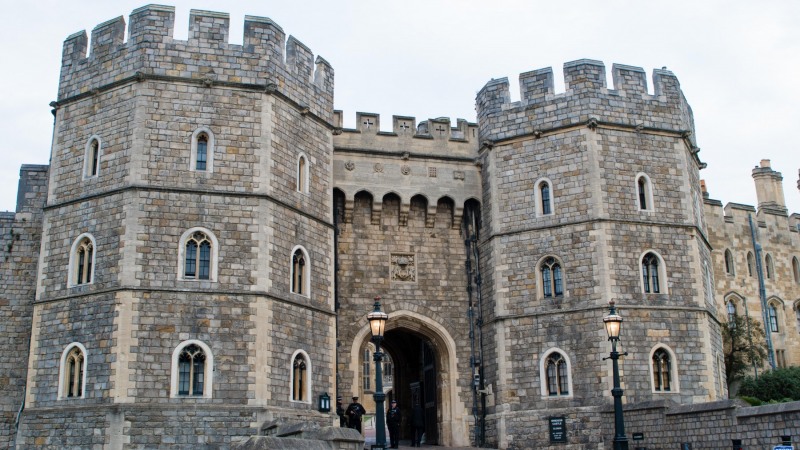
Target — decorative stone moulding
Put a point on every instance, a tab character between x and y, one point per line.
403	267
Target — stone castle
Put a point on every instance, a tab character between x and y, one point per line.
201	252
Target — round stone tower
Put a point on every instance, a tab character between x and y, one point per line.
185	277
589	196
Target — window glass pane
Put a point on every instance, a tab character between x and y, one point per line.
81	264
202	153
79	380
89	253
191	259
562	377
545	198
773	318
71	377
198	373
552	387
546	282
656	373
654	276
205	260
95	156
559	290
642	193
184	368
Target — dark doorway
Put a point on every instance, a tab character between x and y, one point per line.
415	377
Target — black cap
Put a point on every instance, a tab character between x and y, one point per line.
394	401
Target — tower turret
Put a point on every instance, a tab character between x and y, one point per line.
769	188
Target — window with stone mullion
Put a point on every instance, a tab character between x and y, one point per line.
661	370
650	274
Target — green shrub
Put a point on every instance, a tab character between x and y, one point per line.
777	385
752	400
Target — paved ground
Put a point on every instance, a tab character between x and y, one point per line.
369	435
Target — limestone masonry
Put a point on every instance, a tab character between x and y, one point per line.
199	257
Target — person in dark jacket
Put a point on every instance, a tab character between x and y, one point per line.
418	420
393	422
354	413
340	412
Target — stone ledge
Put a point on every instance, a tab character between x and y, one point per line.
778	408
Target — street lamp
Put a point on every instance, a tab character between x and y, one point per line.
377	322
613	324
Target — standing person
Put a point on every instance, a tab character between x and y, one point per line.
354	413
340	412
418	420
393	422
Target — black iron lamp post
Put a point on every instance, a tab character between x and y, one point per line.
377	321
613	323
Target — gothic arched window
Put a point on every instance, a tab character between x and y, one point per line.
770	269
729	269
544	197
644	192
302	174
201	159
198	257
557	375
191	371
662	371
300	369
202	150
651	273
73	367
731	307
92	156
81	261
772	315
751	264
300	282
552	279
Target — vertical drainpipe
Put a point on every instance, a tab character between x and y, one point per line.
476	355
762	294
336	211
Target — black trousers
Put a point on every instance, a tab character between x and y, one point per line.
394	434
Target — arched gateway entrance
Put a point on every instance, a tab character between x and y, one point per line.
425	370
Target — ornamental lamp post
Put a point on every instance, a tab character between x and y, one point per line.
613	324
377	322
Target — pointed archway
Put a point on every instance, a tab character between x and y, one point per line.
423	352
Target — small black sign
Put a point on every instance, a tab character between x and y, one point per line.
558	429
638	436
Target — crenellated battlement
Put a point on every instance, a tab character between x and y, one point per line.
265	58
433	136
586	98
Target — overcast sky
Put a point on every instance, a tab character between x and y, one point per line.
738	63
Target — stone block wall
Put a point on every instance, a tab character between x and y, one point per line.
708	425
144	105
778	236
20	239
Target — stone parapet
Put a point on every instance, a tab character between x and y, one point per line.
587	100
266	59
